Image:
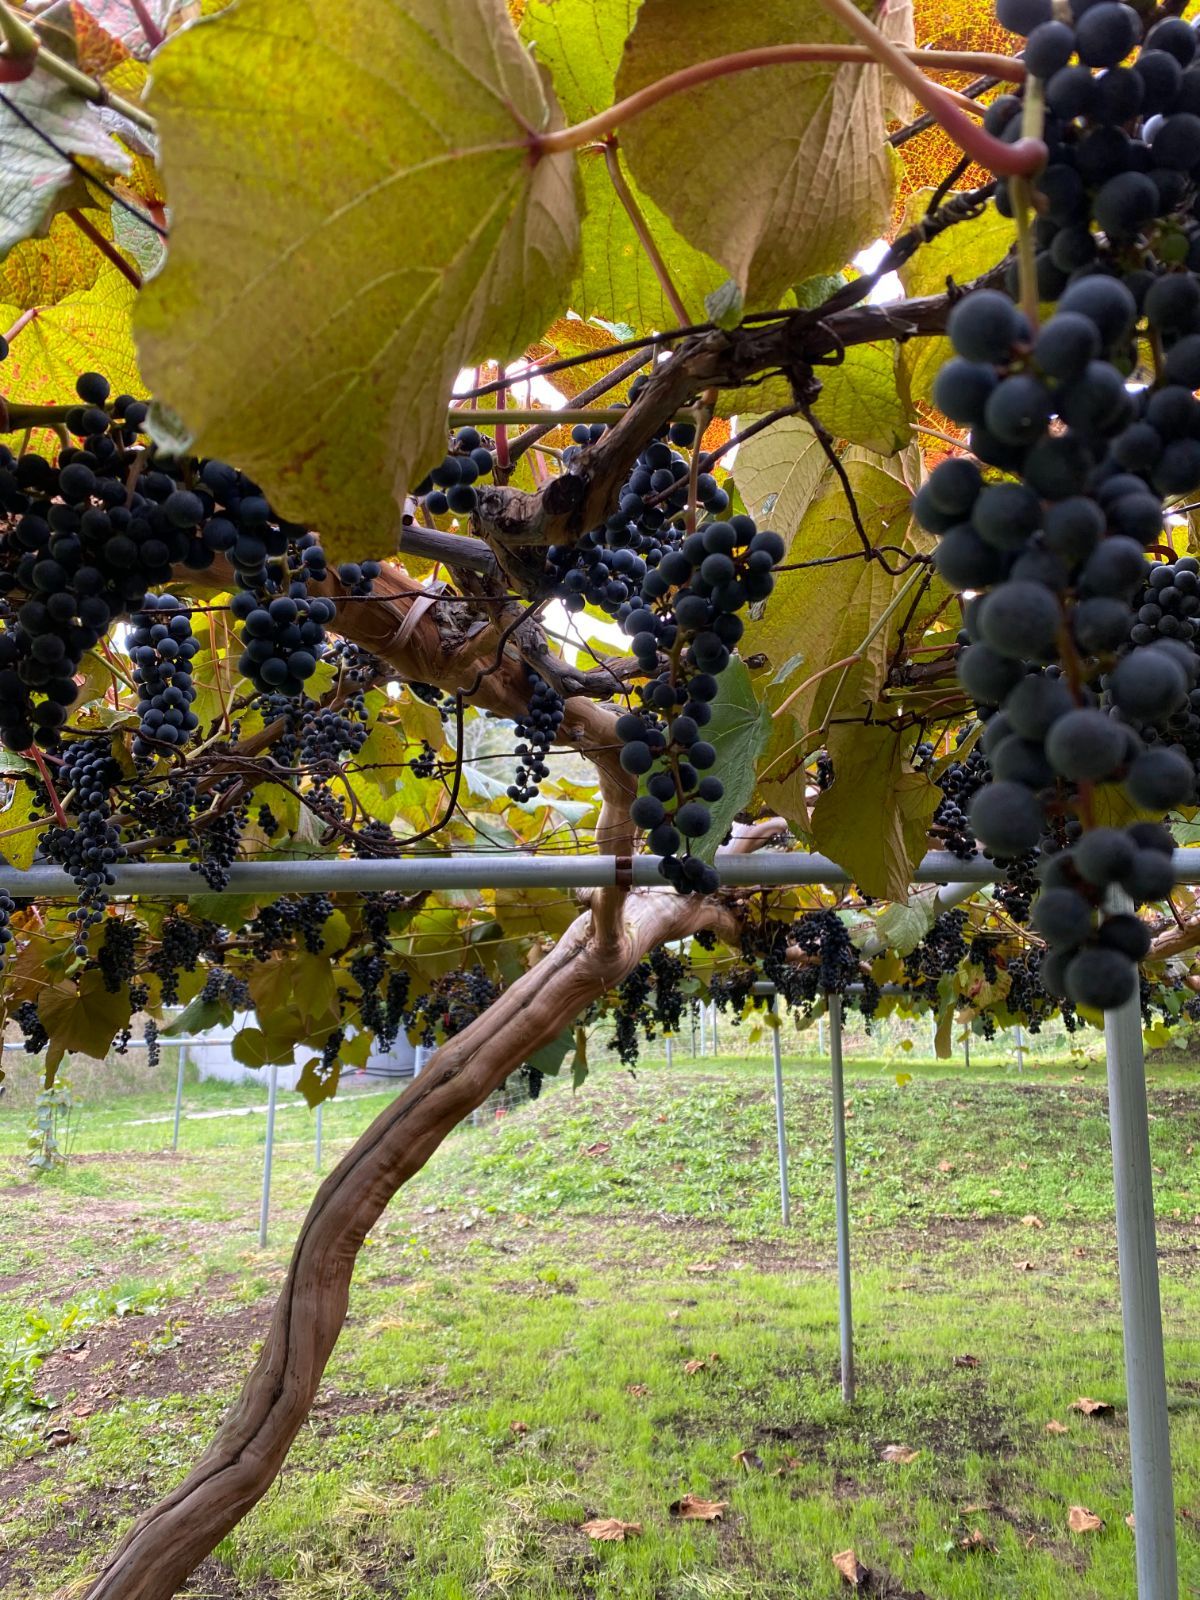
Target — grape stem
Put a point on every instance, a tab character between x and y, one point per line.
23	44
1032	124
905	63
633	211
35	755
106	247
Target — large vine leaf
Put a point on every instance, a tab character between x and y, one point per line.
738	732
820	615
962	252
355	219
581	42
83	1017
798	153
779	471
36	115
874	818
864	399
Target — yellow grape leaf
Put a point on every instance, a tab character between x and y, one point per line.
338	258
18	831
83	1017
874	817
40	272
800	151
86	331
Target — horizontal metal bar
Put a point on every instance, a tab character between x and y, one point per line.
777	868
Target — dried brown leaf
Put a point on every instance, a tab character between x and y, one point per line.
1022	1266
976	1543
517	1426
610	1528
704	1266
851	1568
1030	1221
1081	1520
945	1166
1054	1426
600	1148
691	1508
900	1454
966	1361
1092	1408
749	1460
637	1390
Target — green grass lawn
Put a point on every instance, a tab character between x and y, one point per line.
588	1308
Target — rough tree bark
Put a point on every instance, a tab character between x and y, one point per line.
171	1539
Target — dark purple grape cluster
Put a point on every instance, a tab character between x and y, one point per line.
89	849
161	646
451	485
537	730
7	906
683	631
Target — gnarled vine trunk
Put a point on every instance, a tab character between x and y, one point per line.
171	1539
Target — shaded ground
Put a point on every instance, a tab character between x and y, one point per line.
589	1309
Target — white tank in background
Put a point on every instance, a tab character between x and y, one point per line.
211	1053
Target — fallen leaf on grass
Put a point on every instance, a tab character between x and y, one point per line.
793	1464
1030	1221
976	1543
1081	1520
900	1454
518	1427
1022	1266
945	1166
704	1266
610	1528
432	1433
692	1509
600	1148
1129	1522
1091	1408
637	1390
749	1460
1054	1426
966	1361
975	1508
851	1568
701	1363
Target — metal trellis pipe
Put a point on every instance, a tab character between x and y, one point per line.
264	1210
841	1195
785	1197
1141	1306
518	870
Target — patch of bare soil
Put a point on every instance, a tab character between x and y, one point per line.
150	1357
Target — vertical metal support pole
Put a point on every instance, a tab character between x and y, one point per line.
670	1051
179	1095
821	1035
713	1025
1141	1309
418	1060
841	1198
703	1029
785	1196
1020	1048
265	1207
320	1131
692	1016
933	1033
967	1049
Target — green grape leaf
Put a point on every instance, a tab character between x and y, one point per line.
36	115
83	1018
962	253
316	1083
738	732
580	42
337	258
864	399
820	615
874	817
197	1016
779	471
253	1048
799	151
